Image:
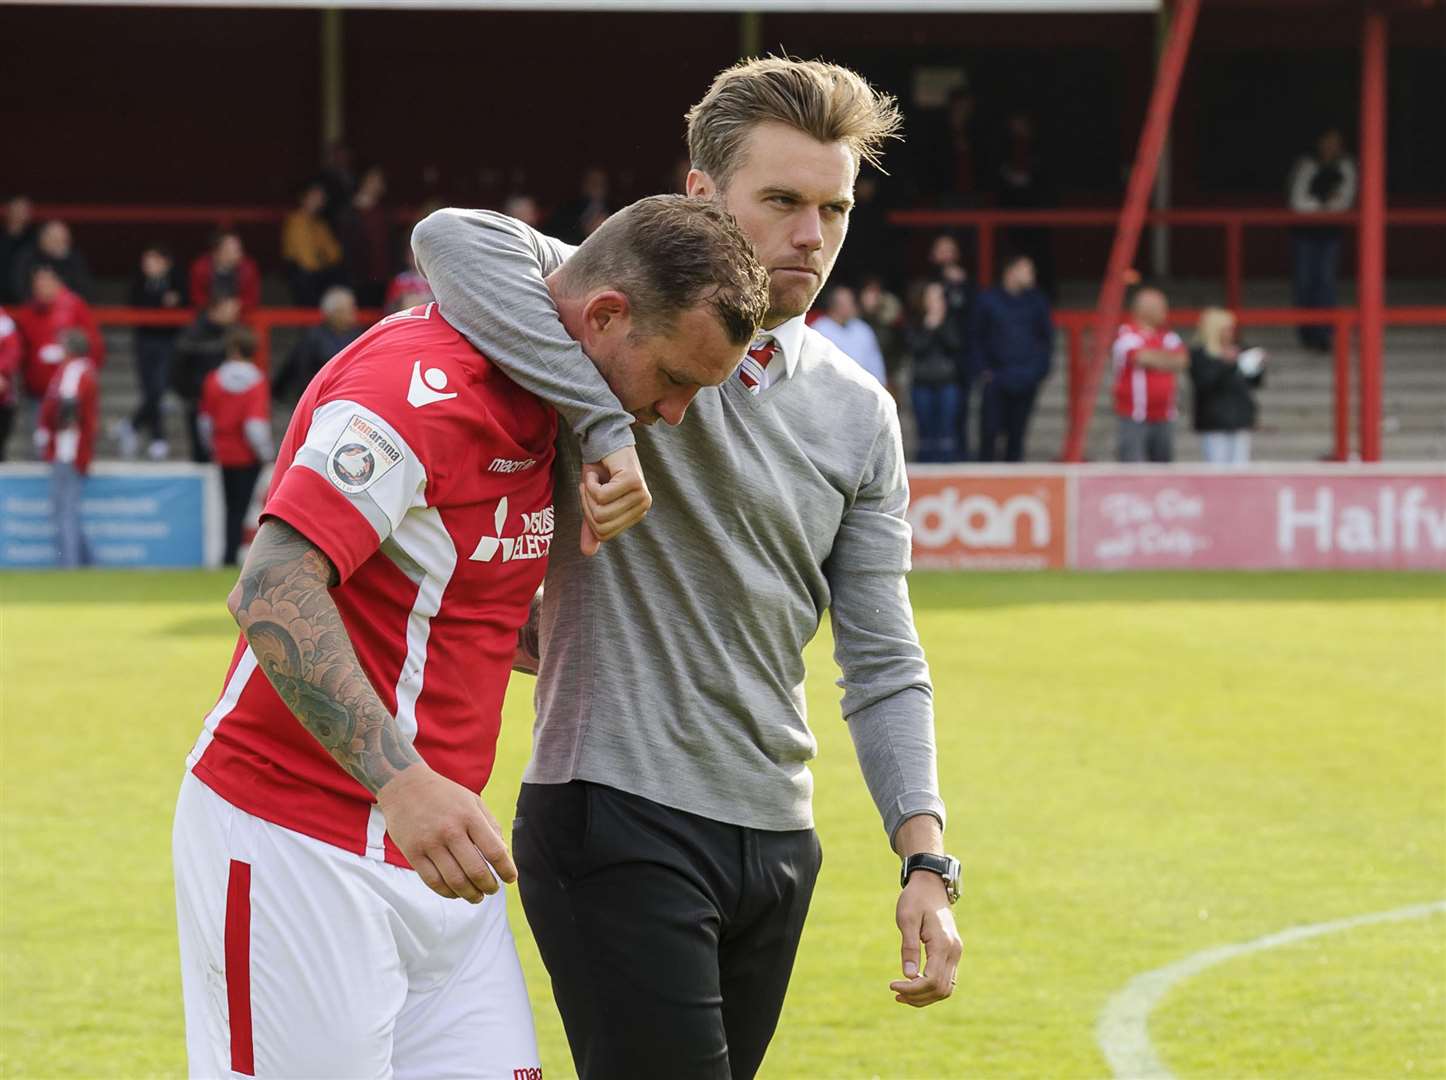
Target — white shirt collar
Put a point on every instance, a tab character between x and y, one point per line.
788	337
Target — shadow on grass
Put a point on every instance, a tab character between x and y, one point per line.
47	587
941	590
221	625
931	590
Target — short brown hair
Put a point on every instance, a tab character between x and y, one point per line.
241	340
829	102
669	253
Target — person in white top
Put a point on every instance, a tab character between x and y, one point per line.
842	324
1322	182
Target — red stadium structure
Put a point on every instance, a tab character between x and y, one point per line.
1370	316
1087	332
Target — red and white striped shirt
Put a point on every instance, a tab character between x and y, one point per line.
1143	393
425	475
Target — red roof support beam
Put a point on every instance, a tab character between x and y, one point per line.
1371	265
1132	217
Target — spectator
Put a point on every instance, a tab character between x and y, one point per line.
841	324
946	150
884	312
65	435
1324	182
225	270
575	221
1012	344
53	309
409	288
235	427
938	372
367	242
156	286
338	181
320	343
1224	378
1023	185
1147	355
53	249
11	351
310	249
16	240
947	265
200	350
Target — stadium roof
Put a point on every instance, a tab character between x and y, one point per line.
820	6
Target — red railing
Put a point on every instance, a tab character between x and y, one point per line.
260	320
1076	322
987	223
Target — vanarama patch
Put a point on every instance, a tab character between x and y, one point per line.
362	454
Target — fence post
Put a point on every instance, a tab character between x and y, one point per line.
1234	258
1343	387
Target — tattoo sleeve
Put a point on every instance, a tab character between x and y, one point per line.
286	613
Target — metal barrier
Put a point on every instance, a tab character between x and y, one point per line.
987	223
261	320
1343	321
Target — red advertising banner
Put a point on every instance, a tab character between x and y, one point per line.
1337	519
987	519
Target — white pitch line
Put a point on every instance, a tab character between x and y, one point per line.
1123	1030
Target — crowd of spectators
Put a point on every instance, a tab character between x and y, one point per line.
965	365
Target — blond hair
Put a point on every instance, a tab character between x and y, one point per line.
828	102
1210	332
669	253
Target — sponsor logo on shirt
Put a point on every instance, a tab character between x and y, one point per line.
507	465
426	387
533	543
527	1074
361	455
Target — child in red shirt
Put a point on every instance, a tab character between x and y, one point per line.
235	426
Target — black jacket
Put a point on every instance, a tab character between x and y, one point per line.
937	355
1224	397
149	292
200	350
310	354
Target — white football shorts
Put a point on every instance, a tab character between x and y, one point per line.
299	959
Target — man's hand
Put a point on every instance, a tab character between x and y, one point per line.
924	919
614	496
446	833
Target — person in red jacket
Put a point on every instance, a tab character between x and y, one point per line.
1147	356
53	309
235	426
10	352
226	270
65	434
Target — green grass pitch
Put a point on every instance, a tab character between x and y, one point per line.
1138	767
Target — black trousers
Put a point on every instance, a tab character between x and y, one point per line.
153	362
1004	412
239	484
669	937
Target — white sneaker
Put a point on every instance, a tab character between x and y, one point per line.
159	450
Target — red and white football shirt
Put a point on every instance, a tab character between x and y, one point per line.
1143	393
425	475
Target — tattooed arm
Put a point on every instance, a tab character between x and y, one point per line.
284	607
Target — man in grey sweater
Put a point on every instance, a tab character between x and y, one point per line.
664	835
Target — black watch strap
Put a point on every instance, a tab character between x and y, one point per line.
946	866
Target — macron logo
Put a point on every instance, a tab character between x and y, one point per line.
427	387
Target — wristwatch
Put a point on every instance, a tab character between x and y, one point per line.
946	866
